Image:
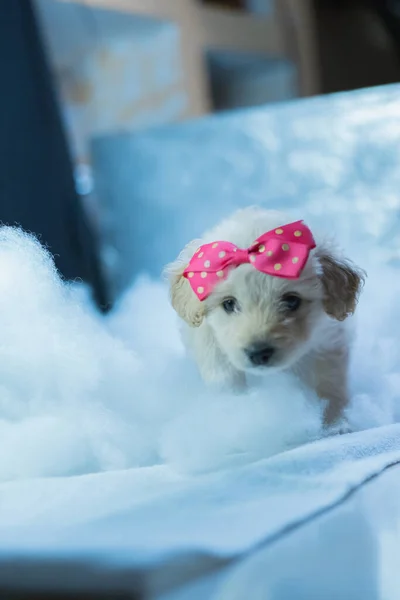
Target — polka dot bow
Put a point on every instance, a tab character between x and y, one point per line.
282	252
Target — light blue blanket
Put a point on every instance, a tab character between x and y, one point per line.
148	530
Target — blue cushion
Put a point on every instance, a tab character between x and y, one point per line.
333	160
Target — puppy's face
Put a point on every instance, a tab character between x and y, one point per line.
261	322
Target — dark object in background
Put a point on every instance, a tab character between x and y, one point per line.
243	79
37	188
389	11
356	46
234	4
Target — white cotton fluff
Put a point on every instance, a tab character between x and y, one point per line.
375	360
225	430
66	403
83	393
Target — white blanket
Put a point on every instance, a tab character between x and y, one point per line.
150	529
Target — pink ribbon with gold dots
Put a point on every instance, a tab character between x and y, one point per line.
282	252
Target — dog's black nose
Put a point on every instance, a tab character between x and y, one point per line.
260	354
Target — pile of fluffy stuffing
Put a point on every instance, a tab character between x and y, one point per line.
84	393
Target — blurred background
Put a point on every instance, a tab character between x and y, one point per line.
82	76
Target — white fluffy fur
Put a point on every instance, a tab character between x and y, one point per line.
312	342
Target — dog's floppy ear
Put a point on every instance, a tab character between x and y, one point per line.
342	281
183	298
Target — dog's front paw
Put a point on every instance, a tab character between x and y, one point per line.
338	428
344	428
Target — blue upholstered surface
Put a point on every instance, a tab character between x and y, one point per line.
334	160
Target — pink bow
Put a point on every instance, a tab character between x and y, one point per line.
282	252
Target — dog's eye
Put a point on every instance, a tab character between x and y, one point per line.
291	302
229	305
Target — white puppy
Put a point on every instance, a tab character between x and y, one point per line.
252	322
